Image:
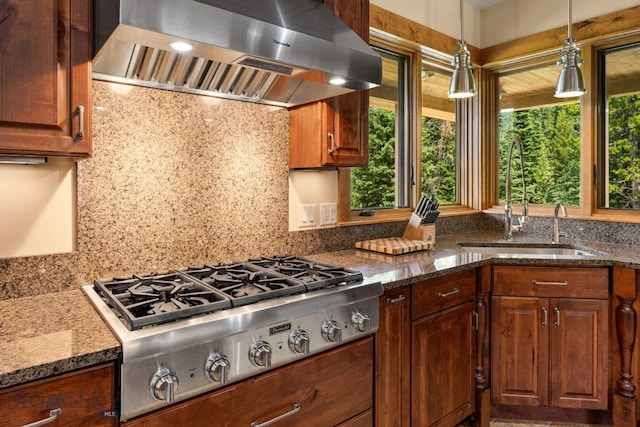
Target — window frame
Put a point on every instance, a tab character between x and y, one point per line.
601	168
418	56
589	122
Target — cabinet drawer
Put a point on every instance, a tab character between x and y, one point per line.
551	282
439	294
85	398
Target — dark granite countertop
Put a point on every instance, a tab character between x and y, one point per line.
50	334
59	332
400	270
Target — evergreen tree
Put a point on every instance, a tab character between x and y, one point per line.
374	186
624	152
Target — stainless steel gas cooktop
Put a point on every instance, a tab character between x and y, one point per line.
189	331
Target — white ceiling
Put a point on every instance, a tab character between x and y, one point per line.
481	4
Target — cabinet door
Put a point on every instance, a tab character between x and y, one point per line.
393	359
578	368
351	111
334	132
45	76
443	355
520	342
86	398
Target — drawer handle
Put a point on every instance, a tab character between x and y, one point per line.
448	294
556	311
563	283
395	300
53	415
80	113
296	408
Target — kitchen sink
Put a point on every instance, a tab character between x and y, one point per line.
527	249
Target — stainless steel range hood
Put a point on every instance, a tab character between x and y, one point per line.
280	52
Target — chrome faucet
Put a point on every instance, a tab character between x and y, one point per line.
556	232
509	227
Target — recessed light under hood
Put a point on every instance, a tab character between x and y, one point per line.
279	52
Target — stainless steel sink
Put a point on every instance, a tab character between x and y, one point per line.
526	249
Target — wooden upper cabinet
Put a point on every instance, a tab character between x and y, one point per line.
334	132
45	77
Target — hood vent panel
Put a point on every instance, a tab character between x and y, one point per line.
252	64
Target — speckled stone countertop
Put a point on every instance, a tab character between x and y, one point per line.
59	332
400	270
50	334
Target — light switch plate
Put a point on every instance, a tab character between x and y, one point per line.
307	216
328	213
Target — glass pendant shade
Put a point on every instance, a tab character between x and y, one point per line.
462	84
570	82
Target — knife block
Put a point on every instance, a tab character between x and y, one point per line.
424	232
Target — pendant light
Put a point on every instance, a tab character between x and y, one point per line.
570	81
462	83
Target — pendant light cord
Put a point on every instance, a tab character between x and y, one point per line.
461	21
570	34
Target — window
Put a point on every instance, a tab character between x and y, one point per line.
549	129
619	128
384	183
409	153
439	171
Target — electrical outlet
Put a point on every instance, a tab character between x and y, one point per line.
328	213
307	216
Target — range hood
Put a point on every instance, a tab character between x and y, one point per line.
279	52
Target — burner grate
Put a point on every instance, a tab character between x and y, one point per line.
154	299
312	273
245	284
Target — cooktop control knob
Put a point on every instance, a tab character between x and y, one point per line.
299	341
360	321
260	354
217	367
164	384
331	331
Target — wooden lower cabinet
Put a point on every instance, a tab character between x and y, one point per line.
393	360
548	350
85	398
443	368
325	390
